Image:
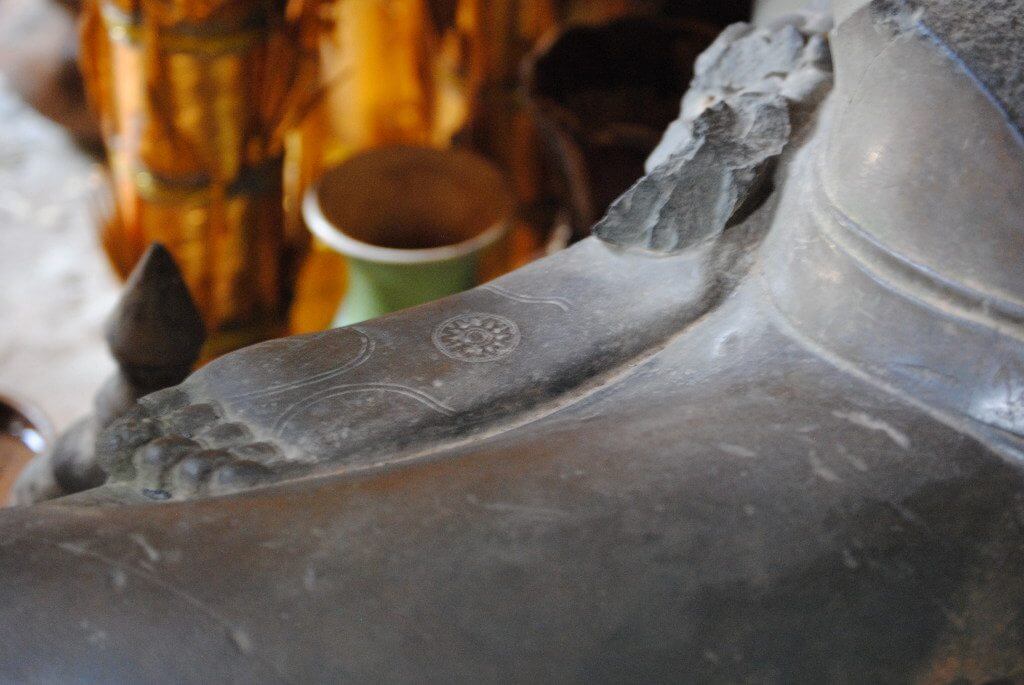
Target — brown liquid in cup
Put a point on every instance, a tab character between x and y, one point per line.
413	198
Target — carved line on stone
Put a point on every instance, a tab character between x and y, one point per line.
909	278
80	551
559	302
338	390
365	352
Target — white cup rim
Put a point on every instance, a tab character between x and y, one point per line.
345	244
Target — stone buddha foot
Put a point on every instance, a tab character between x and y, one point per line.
765	427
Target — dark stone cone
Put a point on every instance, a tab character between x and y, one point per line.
156	325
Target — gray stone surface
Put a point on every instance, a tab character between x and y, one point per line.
713	162
767	11
987	38
698	190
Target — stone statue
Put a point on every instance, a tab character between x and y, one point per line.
765	426
154	334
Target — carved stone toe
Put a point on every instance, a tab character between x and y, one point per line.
191	420
238	476
116	445
227	434
172	448
164	401
260	452
154	459
190	476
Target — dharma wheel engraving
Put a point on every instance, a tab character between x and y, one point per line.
477	337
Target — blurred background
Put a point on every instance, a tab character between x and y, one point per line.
308	162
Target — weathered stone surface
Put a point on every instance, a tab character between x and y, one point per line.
737	117
190	449
694	194
987	37
767	10
790	57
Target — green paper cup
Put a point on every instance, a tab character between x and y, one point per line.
412	224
